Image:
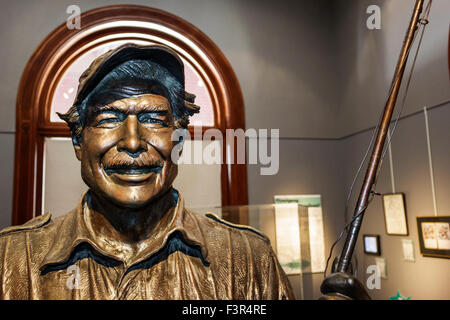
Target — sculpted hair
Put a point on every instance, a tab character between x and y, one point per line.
133	77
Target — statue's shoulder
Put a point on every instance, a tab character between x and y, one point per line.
33	224
252	232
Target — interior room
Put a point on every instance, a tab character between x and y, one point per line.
307	81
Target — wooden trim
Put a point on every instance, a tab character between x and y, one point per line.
39	177
61	47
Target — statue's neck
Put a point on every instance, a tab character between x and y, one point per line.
130	224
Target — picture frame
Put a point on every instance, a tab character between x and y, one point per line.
372	244
408	250
395	214
382	267
434	236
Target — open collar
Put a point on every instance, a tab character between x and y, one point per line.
76	228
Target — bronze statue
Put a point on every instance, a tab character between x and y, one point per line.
130	236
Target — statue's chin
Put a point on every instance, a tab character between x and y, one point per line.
133	199
123	191
132	203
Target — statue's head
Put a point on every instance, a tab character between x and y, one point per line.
129	102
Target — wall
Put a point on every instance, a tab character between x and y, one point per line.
367	59
427	278
307	166
327	167
6	176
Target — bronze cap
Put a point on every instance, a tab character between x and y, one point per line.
105	63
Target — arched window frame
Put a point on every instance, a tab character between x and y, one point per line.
63	46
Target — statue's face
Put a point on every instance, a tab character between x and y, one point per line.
126	150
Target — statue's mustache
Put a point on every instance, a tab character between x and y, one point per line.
121	160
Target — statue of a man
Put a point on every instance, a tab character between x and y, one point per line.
130	237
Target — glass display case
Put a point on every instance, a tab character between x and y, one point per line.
295	233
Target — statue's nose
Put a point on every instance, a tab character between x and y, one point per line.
131	142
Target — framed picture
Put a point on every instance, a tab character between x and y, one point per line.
395	214
372	244
434	236
382	267
408	250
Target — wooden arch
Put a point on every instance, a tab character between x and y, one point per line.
63	46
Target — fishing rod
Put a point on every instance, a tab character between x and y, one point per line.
343	264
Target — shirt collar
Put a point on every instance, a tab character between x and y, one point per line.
76	228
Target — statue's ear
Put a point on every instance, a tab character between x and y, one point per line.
71	117
77	148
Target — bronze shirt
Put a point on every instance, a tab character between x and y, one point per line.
190	257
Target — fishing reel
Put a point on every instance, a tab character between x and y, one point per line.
343	285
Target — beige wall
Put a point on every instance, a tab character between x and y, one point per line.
6	177
306	167
367	58
366	62
427	278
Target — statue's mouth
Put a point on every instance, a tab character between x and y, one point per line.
133	169
133	173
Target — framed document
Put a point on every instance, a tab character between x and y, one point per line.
382	267
372	244
434	236
408	250
395	214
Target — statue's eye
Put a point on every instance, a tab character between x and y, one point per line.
108	119
153	118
